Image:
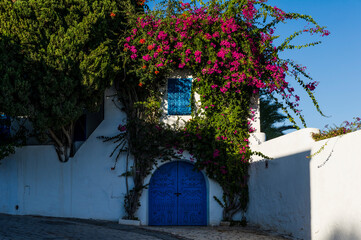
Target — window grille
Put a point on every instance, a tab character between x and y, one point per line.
179	95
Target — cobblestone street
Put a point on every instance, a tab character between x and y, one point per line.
35	228
219	233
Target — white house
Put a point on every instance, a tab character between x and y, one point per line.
308	198
33	181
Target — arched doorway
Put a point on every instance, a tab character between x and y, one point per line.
177	195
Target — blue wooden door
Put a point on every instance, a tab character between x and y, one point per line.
162	200
177	196
192	207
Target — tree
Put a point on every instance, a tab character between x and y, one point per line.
270	116
57	58
8	141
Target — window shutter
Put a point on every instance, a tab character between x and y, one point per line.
179	95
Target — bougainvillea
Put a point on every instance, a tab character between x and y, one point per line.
228	47
345	127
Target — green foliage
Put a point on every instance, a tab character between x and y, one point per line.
57	58
148	141
344	128
10	141
227	48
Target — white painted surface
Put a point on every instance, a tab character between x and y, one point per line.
129	222
214	210
309	198
172	119
8	186
335	191
279	192
255	113
85	186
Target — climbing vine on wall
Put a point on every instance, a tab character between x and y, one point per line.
228	47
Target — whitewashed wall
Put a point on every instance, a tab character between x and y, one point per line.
214	210
309	198
85	187
336	188
8	186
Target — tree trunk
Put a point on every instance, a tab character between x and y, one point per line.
63	141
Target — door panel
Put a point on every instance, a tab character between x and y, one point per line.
177	196
162	200
192	199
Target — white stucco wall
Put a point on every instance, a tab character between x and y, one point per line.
335	190
8	186
308	198
280	188
214	210
85	186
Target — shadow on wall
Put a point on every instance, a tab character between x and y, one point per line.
342	234
280	194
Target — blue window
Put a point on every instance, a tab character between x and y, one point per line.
179	95
4	127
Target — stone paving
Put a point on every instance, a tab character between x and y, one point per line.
36	228
220	233
14	227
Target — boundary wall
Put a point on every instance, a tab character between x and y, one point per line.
34	182
307	197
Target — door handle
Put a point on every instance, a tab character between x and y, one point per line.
177	194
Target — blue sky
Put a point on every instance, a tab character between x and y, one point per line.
335	63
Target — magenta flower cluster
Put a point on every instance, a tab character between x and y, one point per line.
226	55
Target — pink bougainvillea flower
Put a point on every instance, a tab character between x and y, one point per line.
179	45
215	34
223	89
133	49
147	57
162	35
197	55
181	65
215	153
122	128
